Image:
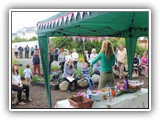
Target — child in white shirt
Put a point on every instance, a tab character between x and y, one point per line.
75	58
28	74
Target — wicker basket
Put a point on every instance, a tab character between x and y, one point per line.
134	87
80	102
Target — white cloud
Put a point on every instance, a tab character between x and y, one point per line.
27	19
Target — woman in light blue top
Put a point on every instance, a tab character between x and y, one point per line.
69	72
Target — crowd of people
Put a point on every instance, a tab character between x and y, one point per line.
20	51
106	64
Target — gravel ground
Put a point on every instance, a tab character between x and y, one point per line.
38	93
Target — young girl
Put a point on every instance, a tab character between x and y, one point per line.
28	74
86	75
75	58
18	86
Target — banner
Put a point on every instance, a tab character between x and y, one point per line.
64	19
81	14
69	17
75	14
60	21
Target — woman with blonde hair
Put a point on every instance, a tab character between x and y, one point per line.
107	58
69	73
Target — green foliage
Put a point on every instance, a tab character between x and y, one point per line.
78	73
116	43
61	42
50	77
140	50
14	61
121	41
34	38
18	39
94	44
81	58
91	71
81	55
21	69
54	68
35	78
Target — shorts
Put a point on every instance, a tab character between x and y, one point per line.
16	53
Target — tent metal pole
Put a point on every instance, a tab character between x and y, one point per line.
130	74
43	45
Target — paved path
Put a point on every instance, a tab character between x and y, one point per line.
26	61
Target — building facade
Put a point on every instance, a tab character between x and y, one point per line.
27	32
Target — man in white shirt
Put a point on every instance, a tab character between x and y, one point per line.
121	59
75	58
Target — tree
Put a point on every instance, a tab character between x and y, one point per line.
18	39
64	42
34	38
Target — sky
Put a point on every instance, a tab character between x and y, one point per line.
28	19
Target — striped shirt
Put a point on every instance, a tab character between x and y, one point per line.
85	72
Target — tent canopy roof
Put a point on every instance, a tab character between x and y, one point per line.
114	24
131	25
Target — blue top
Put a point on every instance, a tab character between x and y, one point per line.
68	71
85	72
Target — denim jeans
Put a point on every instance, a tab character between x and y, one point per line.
75	64
90	82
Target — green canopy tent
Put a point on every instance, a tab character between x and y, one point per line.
127	24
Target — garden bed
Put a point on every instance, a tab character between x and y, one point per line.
53	85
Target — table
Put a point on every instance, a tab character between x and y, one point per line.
138	99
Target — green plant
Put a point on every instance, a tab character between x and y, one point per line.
91	71
78	73
50	77
140	50
35	78
81	60
14	61
54	68
34	38
21	69
18	39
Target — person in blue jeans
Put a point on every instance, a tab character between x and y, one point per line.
86	75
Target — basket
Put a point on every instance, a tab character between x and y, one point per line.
134	87
80	102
